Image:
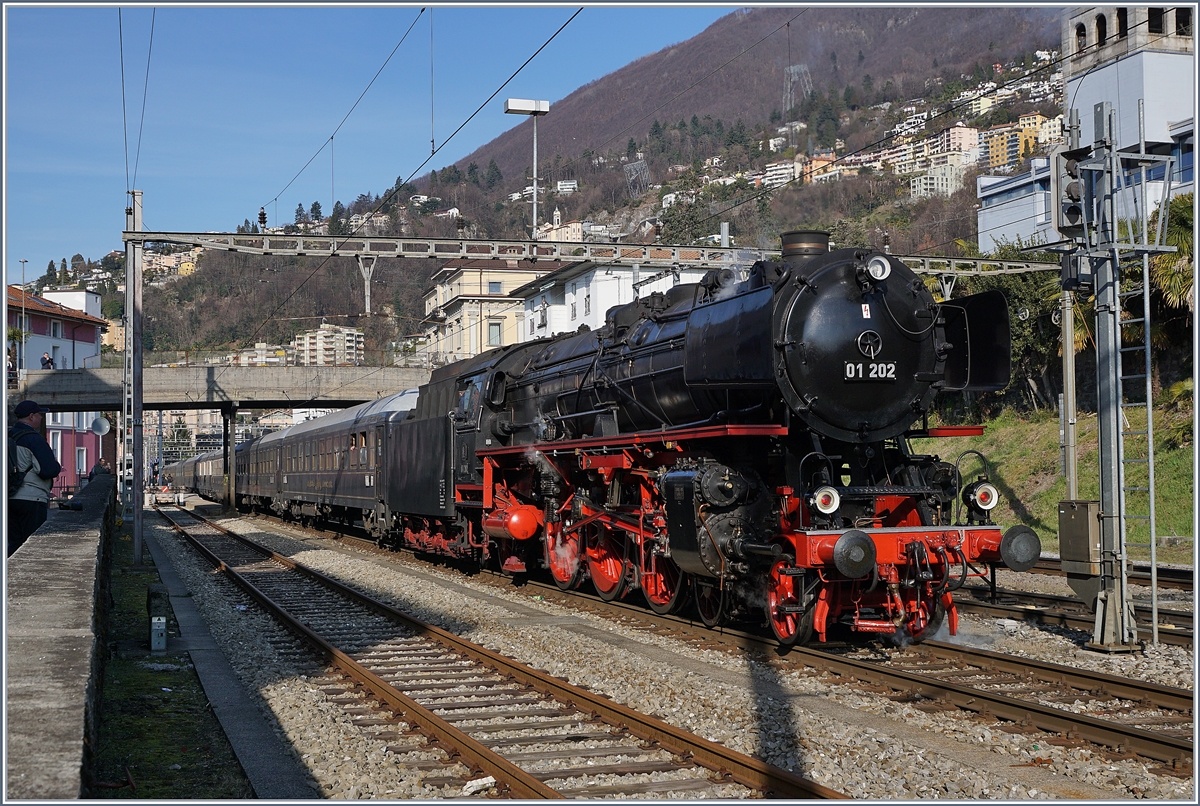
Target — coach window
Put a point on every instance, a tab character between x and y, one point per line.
362	448
373	449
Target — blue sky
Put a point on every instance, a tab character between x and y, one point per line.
239	99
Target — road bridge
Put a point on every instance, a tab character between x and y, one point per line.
217	387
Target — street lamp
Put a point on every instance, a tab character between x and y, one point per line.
535	109
23	361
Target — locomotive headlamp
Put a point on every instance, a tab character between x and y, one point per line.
878	268
982	494
826	500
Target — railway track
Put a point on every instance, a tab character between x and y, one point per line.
426	691
1127	716
1139	574
1174	626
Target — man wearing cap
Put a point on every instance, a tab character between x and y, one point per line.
29	505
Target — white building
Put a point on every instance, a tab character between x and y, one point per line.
778	174
330	345
941	180
582	293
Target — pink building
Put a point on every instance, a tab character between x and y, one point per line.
71	336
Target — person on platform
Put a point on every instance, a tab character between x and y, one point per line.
99	469
47	361
29	504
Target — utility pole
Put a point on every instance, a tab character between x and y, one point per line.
133	488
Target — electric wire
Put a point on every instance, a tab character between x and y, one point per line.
395	190
124	112
145	93
950	111
329	141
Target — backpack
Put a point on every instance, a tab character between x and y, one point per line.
16	476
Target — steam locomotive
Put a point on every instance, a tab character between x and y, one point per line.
740	445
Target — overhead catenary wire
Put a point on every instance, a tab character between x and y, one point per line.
353	106
395	190
145	93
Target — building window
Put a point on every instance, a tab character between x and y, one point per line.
1183	21
587	304
573	311
1101	29
494	334
1154	20
81	464
1080	38
494	288
1122	23
56	329
56	445
531	326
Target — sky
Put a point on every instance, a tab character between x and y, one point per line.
237	99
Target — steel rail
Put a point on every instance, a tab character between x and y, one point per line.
1167	633
735	766
519	782
1043	717
1168	577
1054	720
1175	699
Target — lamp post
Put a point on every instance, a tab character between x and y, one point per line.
22	362
534	109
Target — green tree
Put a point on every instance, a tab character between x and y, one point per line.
473	174
51	275
315	211
62	272
299	213
336	223
493	176
1172	273
631	149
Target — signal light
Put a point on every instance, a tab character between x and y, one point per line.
981	495
826	500
1067	192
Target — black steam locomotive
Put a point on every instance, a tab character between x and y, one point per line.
740	444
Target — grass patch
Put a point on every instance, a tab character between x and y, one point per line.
1023	459
154	718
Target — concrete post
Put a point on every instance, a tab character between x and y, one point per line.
228	446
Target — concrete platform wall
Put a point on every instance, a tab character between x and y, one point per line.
55	606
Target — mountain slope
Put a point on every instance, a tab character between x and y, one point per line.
839	45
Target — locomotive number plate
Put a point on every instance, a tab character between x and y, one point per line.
870	371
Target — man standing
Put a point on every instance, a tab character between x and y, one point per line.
47	361
29	504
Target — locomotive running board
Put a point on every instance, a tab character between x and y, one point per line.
636	438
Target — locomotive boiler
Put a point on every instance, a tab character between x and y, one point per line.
739	445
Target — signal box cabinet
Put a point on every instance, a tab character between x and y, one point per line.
1079	537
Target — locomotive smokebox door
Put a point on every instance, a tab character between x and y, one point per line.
978	332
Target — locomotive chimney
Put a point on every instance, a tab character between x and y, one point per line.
804	242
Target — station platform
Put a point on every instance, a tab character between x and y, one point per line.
57	595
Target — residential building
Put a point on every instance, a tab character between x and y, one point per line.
468	309
327	346
778	174
567	186
72	338
1120	55
1015	208
940	180
580	295
1123	54
70	335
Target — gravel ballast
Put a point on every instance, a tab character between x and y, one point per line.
865	745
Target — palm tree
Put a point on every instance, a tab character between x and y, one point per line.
1171	273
